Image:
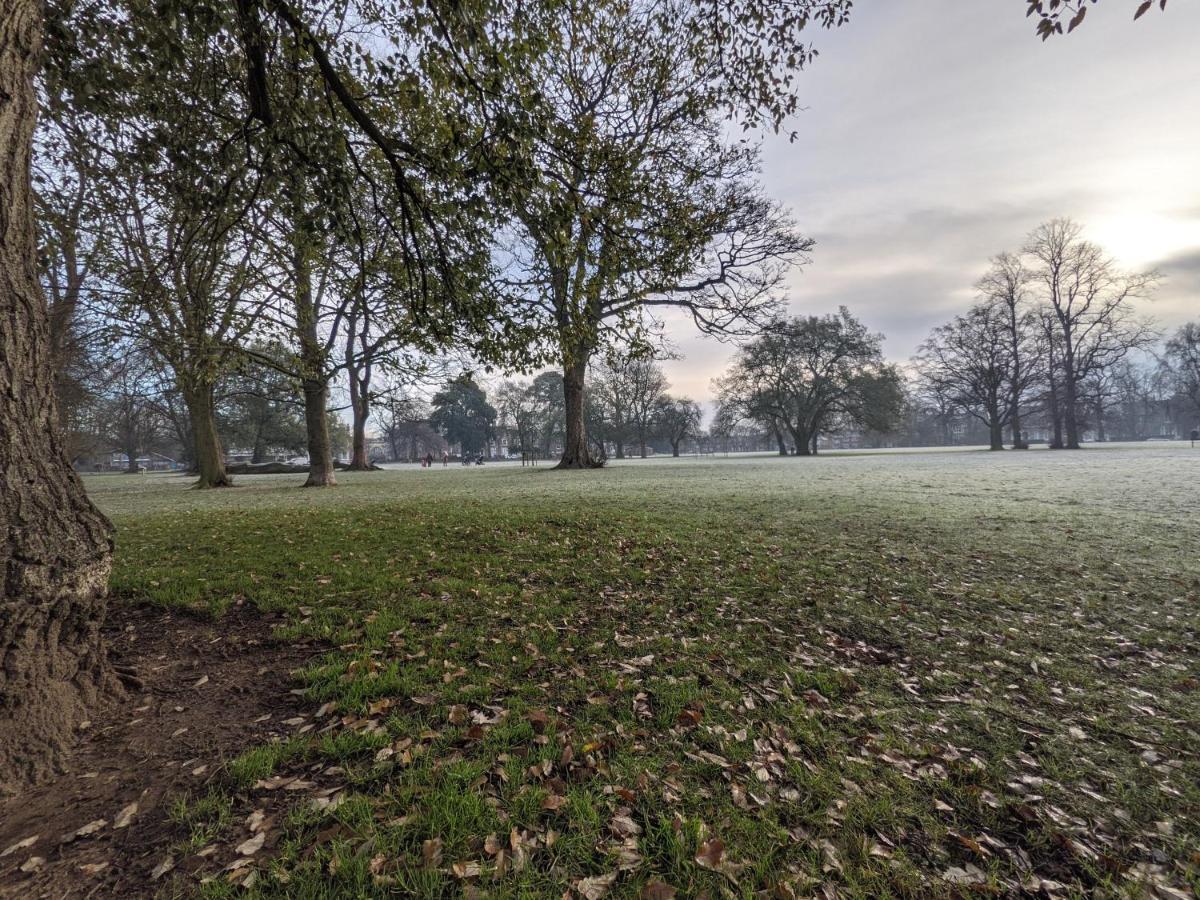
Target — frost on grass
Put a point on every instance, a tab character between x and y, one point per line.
859	675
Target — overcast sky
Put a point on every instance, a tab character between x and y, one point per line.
938	134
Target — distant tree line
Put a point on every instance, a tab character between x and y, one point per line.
1055	346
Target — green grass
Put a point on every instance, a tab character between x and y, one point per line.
883	672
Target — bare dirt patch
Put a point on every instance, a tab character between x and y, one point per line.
204	690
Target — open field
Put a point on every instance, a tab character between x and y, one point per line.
856	675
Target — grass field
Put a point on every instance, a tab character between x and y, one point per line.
859	676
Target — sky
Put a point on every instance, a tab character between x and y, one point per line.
937	134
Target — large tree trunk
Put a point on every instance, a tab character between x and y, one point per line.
803	442
316	420
620	448
675	448
55	550
1056	440
575	445
1071	402
783	451
360	406
358	368
995	433
210	458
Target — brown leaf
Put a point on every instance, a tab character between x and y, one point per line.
709	854
21	845
458	715
125	816
596	887
657	890
554	801
250	846
431	853
623	826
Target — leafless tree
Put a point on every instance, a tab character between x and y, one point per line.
1090	302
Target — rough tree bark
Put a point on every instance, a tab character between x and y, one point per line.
995	433
360	406
55	548
316	420
576	454
210	458
312	362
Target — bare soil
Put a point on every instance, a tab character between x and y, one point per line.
202	691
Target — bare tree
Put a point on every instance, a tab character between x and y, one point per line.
1090	301
1006	284
1181	365
968	361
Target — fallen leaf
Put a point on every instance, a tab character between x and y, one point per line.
250	846
431	852
33	864
125	816
93	868
657	890
203	681
709	854
162	869
21	845
90	828
463	870
595	887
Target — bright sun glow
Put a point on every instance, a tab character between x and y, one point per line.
1138	239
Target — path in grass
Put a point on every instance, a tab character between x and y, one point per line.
871	675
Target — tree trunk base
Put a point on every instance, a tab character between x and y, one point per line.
320	479
584	461
203	484
53	666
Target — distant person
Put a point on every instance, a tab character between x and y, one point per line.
445	458
1195	436
428	460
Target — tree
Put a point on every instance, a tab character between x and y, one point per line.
404	420
1006	285
969	362
1181	365
610	389
633	198
55	546
517	407
1089	301
131	417
646	383
462	415
809	375
69	246
262	409
677	420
